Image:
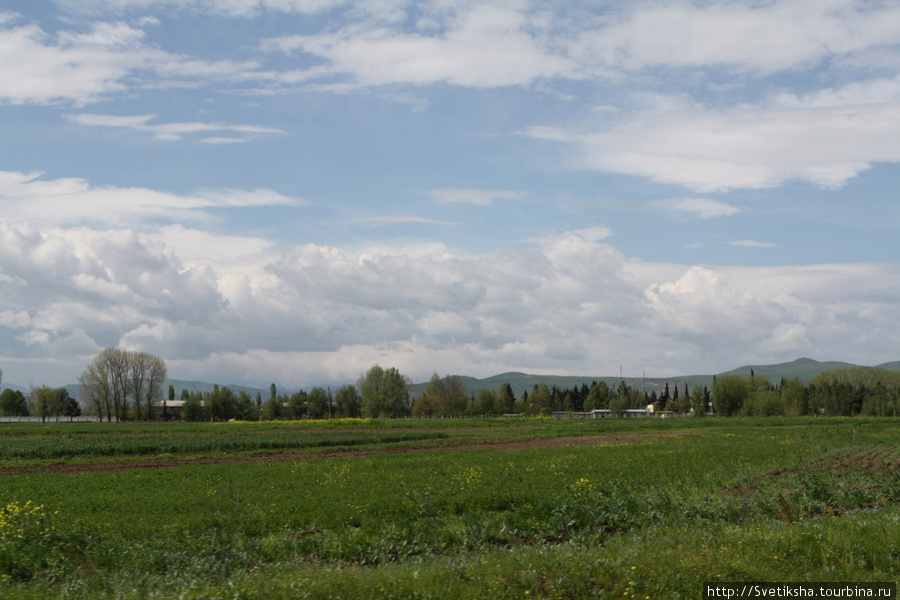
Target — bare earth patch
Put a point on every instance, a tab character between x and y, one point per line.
225	458
827	485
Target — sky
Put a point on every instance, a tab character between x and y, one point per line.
293	190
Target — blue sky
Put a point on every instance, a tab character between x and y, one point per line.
292	190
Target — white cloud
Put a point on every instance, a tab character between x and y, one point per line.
229	8
233	309
383	220
870	91
54	73
481	45
749	36
15	319
232	255
170	131
82	68
747	147
104	34
779	313
472	44
703	208
474	196
69	201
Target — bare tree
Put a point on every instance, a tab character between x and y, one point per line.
115	375
156	379
96	390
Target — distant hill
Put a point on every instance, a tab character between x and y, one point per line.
802	368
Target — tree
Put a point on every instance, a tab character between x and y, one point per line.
729	394
681	402
487	403
665	398
298	402
118	369
449	394
115	375
72	408
383	392
698	400
506	398
538	400
348	398
96	391
246	409
619	402
424	406
317	403
271	409
147	376
13	403
44	401
214	406
598	397
61	401
193	409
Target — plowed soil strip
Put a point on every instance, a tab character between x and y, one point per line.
554	442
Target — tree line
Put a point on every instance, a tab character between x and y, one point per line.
447	397
866	391
44	401
123	385
385	393
223	404
378	393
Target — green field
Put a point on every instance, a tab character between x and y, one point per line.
445	509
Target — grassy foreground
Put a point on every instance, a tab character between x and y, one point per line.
641	516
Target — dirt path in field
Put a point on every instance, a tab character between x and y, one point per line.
225	458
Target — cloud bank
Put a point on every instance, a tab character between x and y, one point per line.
312	314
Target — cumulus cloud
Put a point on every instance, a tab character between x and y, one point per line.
779	313
63	283
234	309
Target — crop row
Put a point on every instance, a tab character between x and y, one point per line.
42	447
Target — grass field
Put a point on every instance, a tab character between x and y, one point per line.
444	509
